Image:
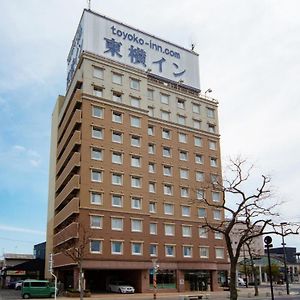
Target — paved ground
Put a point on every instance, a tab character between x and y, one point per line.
244	293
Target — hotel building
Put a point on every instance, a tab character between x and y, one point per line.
134	146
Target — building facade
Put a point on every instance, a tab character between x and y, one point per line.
133	154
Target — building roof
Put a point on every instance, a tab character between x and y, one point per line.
17	256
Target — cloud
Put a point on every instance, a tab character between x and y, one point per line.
20	230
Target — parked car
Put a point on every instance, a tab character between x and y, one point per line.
11	284
37	288
18	284
120	287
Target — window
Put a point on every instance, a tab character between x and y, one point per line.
136	203
201	212
199	159
181	119
166	134
117	117
167	170
203	232
187	251
219	253
98	72
183	155
117	137
164	98
216	196
204	252
134	84
153	228
135	141
152	207
96	176
97	133
186	231
218	235
136	182
165	115
210	112
136	225
186	211
97	111
182	137
97	91
211	128
153	250
117	247
169	229
152	187
135	121
216	214
116	158
170	250
150	94
197	124
150	130
135	102
199	176
200	194
213	162
168	189
96	153
95	198
151	167
212	145
198	141
181	103
116	78
135	161
196	108
168	209
166	151
151	149
184	192
151	111
96	222
95	246
136	248
117	97
117	179
117	200
184	173
117	224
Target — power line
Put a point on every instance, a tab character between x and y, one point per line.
12	240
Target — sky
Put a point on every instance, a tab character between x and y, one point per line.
248	55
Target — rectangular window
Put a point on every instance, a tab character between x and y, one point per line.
212	145
210	112
117	137
151	111
152	207
152	187
150	94
183	155
168	190
150	130
97	91
116	158
151	167
170	250
95	246
117	97
98	72
153	250
197	124
186	211
169	229
168	209
184	192
117	78
134	84
196	108
136	225
181	103
216	196
151	149
187	251
181	119
200	194
204	252
153	228
198	141
135	102
136	203
136	248
199	159
203	232
97	111
214	178
219	253
117	200
186	231
218	235
117	179
96	153
166	152
135	141
97	133
182	137
96	222
199	176
165	115
217	214
184	173
117	224
136	182
136	161
213	162
117	247
95	198
164	98
135	121
211	128
117	117
96	176
201	212
166	134
167	170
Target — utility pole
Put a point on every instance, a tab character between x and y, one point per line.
286	273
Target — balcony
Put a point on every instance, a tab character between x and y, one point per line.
71	208
66	234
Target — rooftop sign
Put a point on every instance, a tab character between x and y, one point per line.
105	37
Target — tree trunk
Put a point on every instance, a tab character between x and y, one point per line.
233	280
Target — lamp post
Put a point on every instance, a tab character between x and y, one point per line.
286	275
155	268
268	242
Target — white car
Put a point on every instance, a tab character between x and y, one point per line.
120	287
18	285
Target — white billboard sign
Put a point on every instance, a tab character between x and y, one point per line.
105	37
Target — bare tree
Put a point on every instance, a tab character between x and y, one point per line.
249	214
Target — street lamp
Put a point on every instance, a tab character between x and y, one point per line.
207	91
268	242
284	259
155	268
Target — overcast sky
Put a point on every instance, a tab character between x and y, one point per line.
249	56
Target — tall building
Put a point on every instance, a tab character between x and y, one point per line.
134	145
